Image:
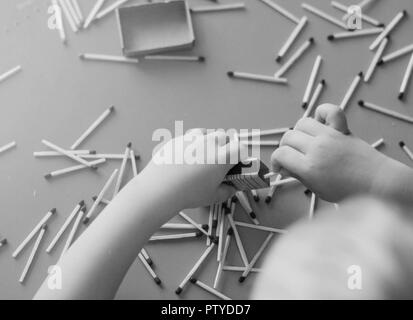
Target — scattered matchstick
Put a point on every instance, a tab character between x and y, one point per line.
392	25
221	263
406	79
149	269
98	5
272	190
33	254
72	11
350	92
64	227
313	203
58	173
126	156
256	257
209	289
245	204
36	229
378	144
10	73
109	9
294	58
146	256
175	58
176	236
102	201
73	232
195	268
107	58
78	11
364	17
220	7
406	149
324	16
92	127
212	209
183	226
107	156
256	77
282	11
376	59
100	196
239	269
220	232
316	95
133	162
68	16
354	34
262	228
291	39
262	133
7	147
397	54
58	154
238	239
67	154
311	81
184	216
386	112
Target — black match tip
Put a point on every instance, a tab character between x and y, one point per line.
268	200
47	176
307	192
81	56
201	59
360	74
199	234
214	239
234	199
112	108
205	227
381	62
323	82
82	203
94	198
311	40
241	279
129	145
3	242
230	232
53	211
361	103
405	13
401	96
157	281
227	211
92	152
230	74
331	37
44	227
193	280
278	59
381	25
149	261
178	290
86	220
304	106
253	215
402	144
256	198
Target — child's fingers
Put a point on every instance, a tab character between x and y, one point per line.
290	159
311	127
333	117
297	140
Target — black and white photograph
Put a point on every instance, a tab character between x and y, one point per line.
217	151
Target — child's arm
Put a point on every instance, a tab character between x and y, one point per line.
93	268
335	164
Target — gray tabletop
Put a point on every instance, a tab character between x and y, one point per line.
56	97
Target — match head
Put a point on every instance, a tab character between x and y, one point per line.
201	59
402	144
381	25
92	152
405	13
330	37
323	82
149	261
157	281
230	232
278	59
401	96
47	176
129	145
178	291
214	239
234	199
256	198
82	203
230	74
268	199
199	234
53	211
307	192
253	215
112	108
193	280
361	103
3	242
360	74
44	227
81	56
86	220
304	106
241	279
205	227
381	62
94	198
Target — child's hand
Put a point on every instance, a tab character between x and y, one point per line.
327	158
195	184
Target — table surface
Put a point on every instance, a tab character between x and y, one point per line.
57	96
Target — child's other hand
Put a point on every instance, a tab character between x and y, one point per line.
323	155
200	183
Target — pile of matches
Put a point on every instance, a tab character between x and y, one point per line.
222	226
